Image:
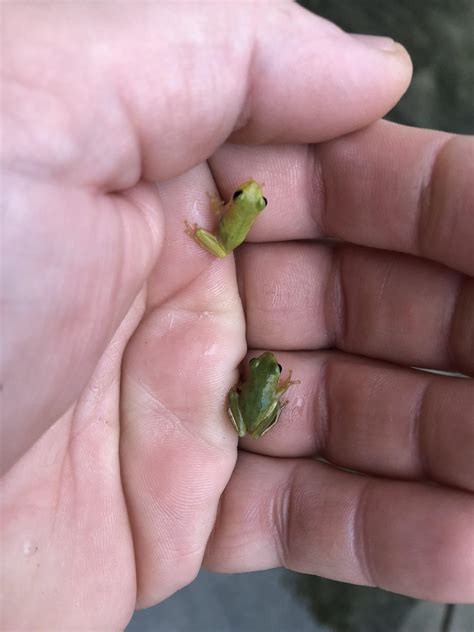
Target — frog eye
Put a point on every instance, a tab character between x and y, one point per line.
280	368
237	194
265	200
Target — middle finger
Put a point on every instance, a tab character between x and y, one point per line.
364	301
376	418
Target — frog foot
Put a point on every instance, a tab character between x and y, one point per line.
286	383
190	229
217	205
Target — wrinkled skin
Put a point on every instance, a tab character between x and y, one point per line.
122	338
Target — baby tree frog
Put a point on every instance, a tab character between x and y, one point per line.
236	219
255	405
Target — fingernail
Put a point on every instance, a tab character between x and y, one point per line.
386	44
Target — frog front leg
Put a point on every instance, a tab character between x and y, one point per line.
284	385
217	205
268	422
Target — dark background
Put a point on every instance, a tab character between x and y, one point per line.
439	37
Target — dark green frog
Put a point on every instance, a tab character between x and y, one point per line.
254	404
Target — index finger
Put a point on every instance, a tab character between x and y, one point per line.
399	188
387	186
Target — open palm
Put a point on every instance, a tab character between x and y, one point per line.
124	337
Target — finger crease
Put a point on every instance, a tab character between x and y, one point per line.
316	184
339	328
283	517
360	535
456	352
244	115
322	418
424	235
417	433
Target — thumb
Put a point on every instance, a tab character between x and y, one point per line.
157	87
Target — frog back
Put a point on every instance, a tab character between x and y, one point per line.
235	225
258	400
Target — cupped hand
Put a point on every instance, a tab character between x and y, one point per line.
123	337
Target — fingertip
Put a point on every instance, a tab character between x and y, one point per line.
400	53
390	47
321	84
376	41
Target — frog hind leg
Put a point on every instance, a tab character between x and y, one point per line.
263	428
235	414
207	241
216	204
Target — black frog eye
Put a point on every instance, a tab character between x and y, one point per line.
266	201
280	368
237	194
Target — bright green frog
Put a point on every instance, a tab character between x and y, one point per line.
237	218
254	405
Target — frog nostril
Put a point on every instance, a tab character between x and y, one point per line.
237	194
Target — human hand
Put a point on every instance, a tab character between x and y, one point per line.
117	320
395	291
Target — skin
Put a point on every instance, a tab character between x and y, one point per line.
238	217
122	476
254	405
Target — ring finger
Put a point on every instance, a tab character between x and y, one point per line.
363	301
375	418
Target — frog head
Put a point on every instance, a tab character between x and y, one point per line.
266	365
250	194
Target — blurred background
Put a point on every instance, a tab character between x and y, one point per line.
439	35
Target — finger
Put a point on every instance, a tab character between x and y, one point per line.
387	186
424	206
409	538
70	278
375	418
360	300
65	529
177	447
168	85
